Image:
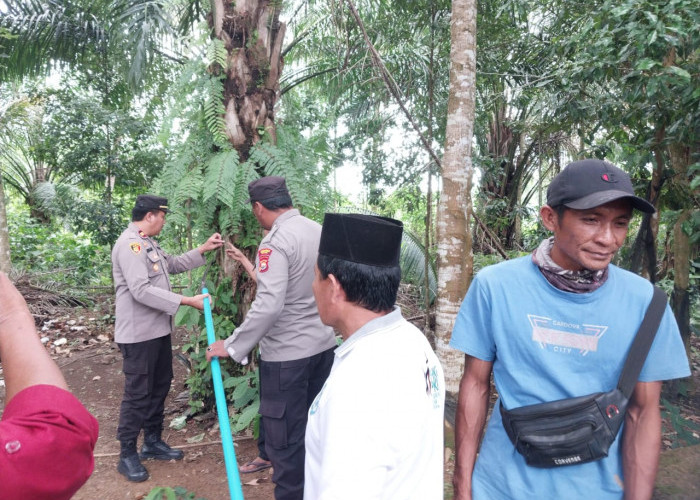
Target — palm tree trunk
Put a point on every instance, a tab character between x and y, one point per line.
454	242
252	34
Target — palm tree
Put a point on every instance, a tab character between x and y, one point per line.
25	163
121	36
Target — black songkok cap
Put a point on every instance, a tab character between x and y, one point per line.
363	239
267	187
151	202
590	183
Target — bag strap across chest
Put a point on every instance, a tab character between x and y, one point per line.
642	343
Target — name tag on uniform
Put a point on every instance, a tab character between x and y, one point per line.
152	255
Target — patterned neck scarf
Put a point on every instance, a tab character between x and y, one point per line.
583	281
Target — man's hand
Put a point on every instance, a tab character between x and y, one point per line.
214	241
197	301
237	255
234	252
217	349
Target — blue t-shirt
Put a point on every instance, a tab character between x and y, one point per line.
547	344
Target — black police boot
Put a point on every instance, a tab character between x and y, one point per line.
129	464
155	447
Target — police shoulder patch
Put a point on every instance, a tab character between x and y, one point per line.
135	247
264	259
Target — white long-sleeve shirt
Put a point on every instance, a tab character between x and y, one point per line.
375	431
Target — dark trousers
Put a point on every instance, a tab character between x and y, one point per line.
148	371
287	390
261	442
261	428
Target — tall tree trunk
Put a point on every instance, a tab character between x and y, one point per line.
680	298
427	327
252	34
454	243
5	262
643	259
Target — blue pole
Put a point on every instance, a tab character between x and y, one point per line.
234	479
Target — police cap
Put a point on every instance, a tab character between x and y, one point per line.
266	188
151	202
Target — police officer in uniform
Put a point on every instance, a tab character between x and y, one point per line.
145	306
296	349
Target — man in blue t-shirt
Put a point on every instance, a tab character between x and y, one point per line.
558	324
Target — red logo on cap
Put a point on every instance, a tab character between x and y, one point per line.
608	177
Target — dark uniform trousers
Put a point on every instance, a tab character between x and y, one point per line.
287	390
148	371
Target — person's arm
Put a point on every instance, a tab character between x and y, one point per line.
641	441
237	255
269	302
25	361
194	258
196	301
472	407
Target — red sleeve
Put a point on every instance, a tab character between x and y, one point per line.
47	438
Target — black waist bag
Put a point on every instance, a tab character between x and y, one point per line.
579	430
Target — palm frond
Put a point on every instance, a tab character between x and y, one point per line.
276	161
219	177
147	23
214	112
41	34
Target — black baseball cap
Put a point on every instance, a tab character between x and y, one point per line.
590	183
363	239
151	202
267	187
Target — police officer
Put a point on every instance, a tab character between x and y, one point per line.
296	349
145	306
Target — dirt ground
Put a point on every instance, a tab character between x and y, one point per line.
91	364
98	382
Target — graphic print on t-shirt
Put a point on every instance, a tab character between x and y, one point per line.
563	336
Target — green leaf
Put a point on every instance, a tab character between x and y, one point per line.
653	18
246	417
646	64
679	72
652	37
240	389
247	397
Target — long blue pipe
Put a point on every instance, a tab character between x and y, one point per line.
234	479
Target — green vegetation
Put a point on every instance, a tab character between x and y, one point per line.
166	493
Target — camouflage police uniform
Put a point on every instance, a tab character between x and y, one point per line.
296	349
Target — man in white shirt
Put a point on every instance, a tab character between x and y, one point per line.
375	431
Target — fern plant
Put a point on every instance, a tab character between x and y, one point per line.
206	182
